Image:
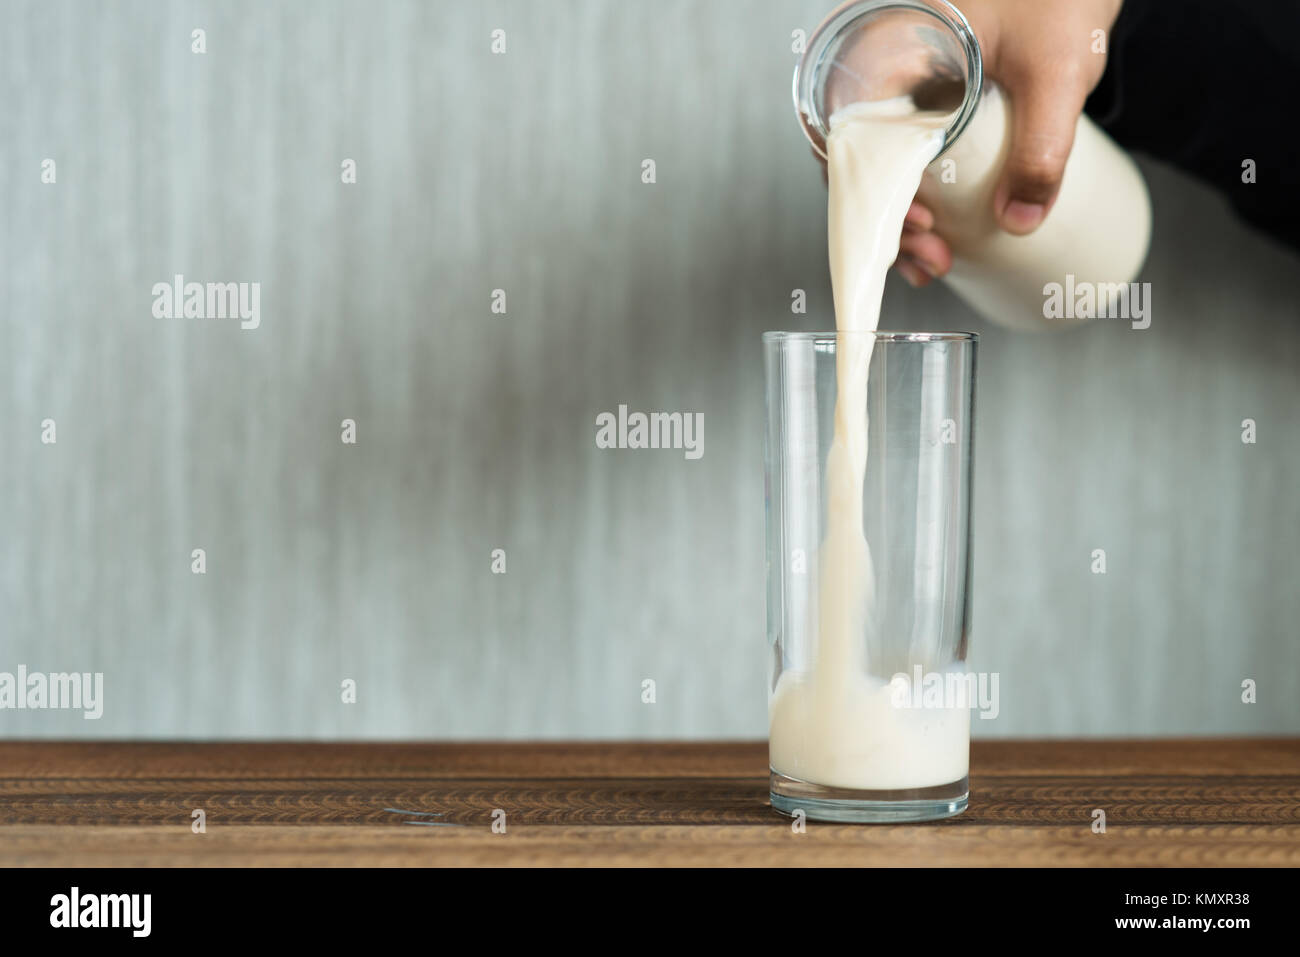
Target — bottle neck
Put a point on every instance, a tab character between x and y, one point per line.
878	49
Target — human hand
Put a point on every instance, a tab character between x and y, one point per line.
1041	53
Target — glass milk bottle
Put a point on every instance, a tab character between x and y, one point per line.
1094	239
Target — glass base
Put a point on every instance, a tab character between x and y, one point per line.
820	803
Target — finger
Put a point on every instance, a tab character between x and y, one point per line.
928	250
912	272
1045	113
918	217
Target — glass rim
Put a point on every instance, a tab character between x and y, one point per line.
880	335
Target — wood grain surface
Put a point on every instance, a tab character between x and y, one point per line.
1232	802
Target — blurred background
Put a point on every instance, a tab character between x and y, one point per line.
522	171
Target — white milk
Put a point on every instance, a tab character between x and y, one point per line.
1098	230
836	724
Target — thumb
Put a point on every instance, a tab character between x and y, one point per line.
1044	115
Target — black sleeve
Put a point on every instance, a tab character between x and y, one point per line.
1207	85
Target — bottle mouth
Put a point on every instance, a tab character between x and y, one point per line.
878	49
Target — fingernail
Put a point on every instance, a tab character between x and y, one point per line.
911	270
1023	217
930	269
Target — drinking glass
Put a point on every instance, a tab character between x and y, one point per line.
868	603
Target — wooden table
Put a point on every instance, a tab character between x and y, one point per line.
1186	802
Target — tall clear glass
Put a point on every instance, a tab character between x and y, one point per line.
869	608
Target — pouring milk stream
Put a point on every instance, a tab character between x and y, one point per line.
837	725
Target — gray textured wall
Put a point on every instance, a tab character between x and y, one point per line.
522	172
